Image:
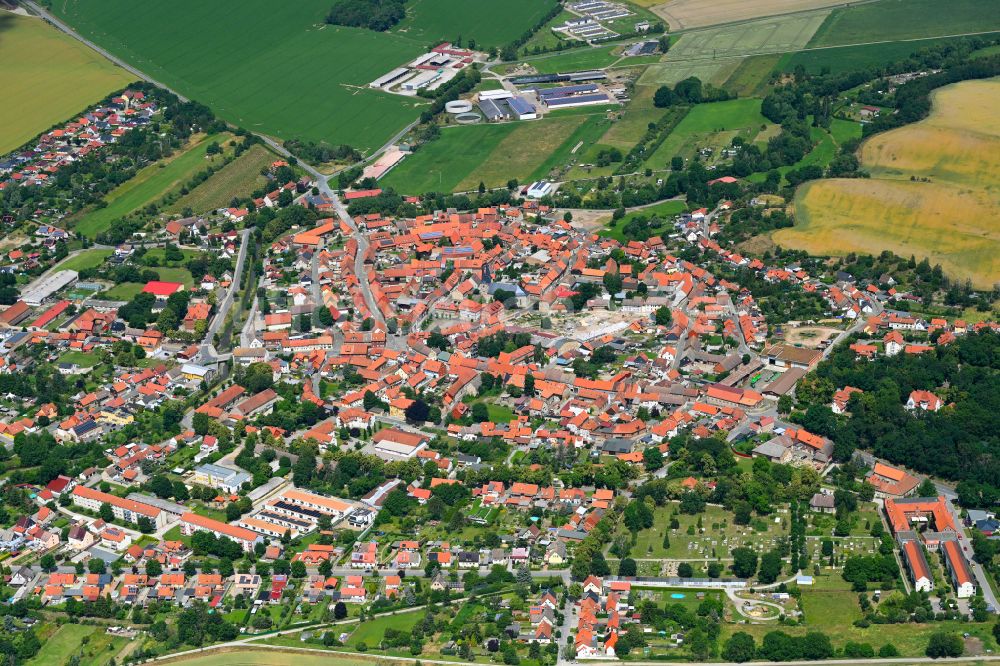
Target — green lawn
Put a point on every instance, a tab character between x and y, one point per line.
488	23
372	631
831	607
82	359
905	19
500	413
125	291
279	70
149	185
84	260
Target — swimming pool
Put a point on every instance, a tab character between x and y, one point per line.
677	595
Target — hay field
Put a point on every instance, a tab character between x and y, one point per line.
954	219
49	77
237	179
686	14
714	54
278	70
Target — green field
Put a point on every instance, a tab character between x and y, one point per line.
279	71
493	154
664	210
149	185
488	23
710	125
84	260
848	58
888	20
60	79
714	54
237	179
60	646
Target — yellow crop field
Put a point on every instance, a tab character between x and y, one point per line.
933	191
47	77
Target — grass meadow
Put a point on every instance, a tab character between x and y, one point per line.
84	260
267	657
752	75
710	125
59	80
951	219
150	184
278	71
495	153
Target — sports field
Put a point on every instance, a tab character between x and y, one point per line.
952	219
685	14
150	184
888	20
710	126
237	179
713	54
276	70
487	22
493	154
59	80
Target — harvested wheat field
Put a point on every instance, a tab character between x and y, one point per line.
685	14
933	192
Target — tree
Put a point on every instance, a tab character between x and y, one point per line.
744	562
739	648
927	489
664	97
153	567
418	411
685	570
652	459
47	562
95	565
339	611
627	567
770	567
944	644
200	423
662	316
106	512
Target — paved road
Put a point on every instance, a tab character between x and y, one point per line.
207	352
